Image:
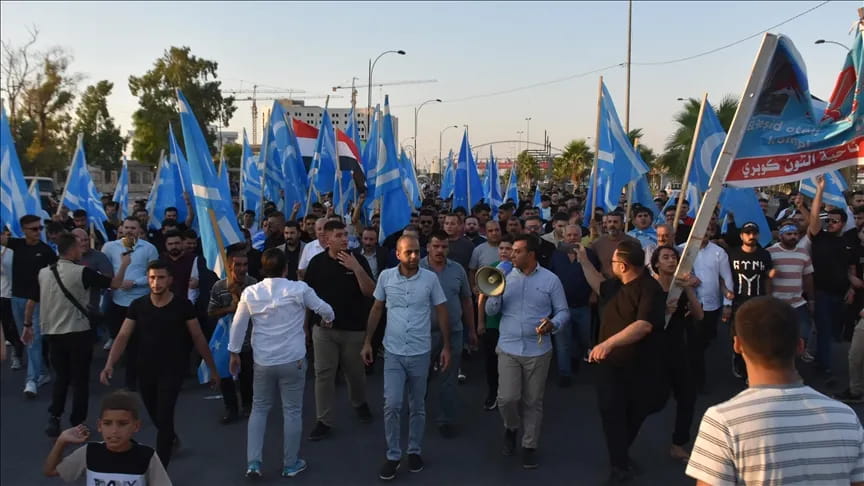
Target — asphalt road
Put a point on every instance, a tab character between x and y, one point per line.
572	449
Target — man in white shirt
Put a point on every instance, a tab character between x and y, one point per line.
9	330
312	248
277	307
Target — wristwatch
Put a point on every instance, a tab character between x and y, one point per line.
28	324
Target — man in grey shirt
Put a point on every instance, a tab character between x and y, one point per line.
485	253
97	261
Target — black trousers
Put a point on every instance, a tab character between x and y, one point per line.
244	384
10	330
626	396
489	341
699	337
681	379
159	392
115	317
71	355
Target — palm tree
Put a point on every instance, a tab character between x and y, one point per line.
674	160
574	163
527	169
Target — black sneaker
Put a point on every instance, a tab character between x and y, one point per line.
491	403
618	476
415	463
529	458
364	414
447	431
388	470
229	418
848	397
52	428
320	431
509	442
565	381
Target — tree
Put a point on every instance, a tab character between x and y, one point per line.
527	169
677	148
574	163
103	144
233	153
157	98
645	152
17	69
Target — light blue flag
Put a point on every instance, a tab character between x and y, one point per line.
219	350
224	181
409	180
325	159
121	193
744	205
33	192
395	208
293	169
468	189
210	203
448	179
81	193
536	201
642	195
619	163
182	180
163	193
513	185
14	199
370	153
353	131
709	142
343	198
493	185
250	178
835	186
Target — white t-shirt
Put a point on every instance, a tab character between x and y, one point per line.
310	250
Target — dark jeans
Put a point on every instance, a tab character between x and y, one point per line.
244	384
626	396
489	341
679	369
159	392
699	337
829	322
71	355
116	316
10	331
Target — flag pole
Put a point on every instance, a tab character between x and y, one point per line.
92	237
630	188
746	107
69	174
686	180
218	233
596	153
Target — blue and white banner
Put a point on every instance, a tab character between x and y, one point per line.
14	200
80	192
219	350
121	193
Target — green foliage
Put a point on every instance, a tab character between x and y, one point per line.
677	148
157	98
574	163
527	169
103	144
233	153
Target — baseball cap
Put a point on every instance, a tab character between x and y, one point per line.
750	227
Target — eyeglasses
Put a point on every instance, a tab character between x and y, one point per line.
35	228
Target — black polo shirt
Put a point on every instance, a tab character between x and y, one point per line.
337	285
830	254
621	305
26	263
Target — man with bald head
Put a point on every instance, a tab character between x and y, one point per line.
410	295
312	248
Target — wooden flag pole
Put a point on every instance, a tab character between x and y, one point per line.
596	168
222	254
92	236
684	183
628	219
746	106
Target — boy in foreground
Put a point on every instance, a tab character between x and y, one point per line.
116	460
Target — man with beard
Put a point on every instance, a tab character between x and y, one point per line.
166	329
485	253
275	229
606	244
533	226
292	248
472	230
460	246
181	263
513	226
793	278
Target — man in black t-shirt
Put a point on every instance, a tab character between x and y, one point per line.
752	270
166	328
345	282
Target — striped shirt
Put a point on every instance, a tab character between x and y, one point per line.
784	434
790	266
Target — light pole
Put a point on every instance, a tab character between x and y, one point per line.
440	143
416	114
519	145
528	133
369	102
823	41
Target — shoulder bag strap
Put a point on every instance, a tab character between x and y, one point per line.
67	293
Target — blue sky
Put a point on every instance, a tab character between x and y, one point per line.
470	48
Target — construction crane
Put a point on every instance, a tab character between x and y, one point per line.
353	88
254	92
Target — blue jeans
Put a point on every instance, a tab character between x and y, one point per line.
579	328
290	380
803	314
449	402
829	309
34	350
399	370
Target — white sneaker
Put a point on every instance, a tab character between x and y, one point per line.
807	357
15	363
108	344
43	380
30	389
460	377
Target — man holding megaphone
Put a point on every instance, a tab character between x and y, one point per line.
532	306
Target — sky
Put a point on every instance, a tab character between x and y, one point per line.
479	53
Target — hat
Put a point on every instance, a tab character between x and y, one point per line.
750	227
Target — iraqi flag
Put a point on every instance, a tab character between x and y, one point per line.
349	155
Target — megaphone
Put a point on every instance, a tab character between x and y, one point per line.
490	281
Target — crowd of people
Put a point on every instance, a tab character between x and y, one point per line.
317	294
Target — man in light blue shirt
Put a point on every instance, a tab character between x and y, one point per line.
409	294
134	285
642	228
533	305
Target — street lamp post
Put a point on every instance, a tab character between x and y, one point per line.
416	114
823	41
440	143
528	133
519	144
372	68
